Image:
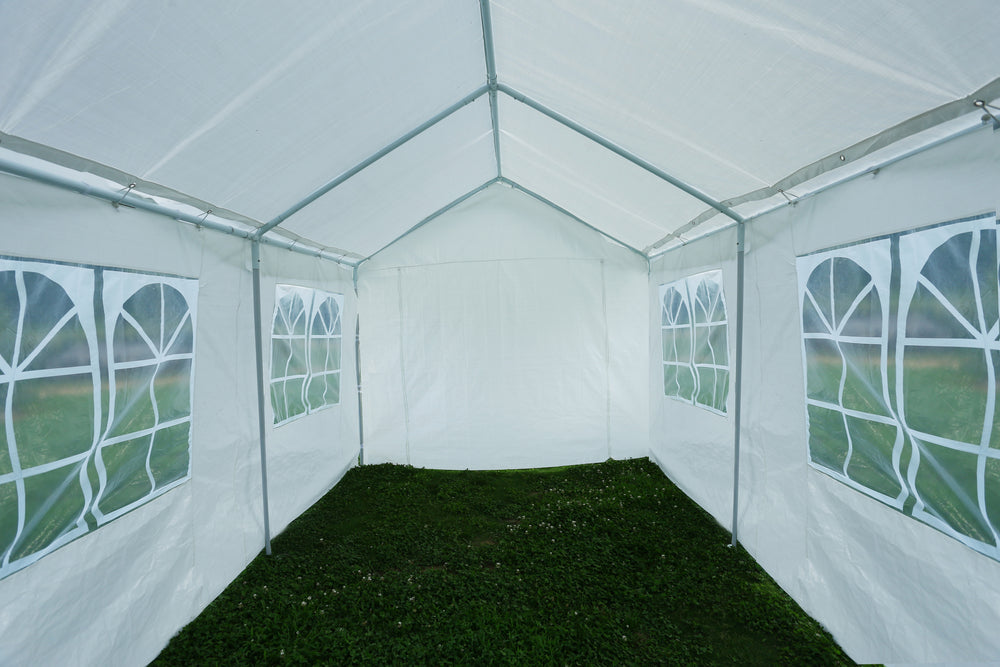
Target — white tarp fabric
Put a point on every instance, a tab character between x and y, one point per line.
891	589
607	191
250	108
382	202
703	86
503	335
116	594
250	111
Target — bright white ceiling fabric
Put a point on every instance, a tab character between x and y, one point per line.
730	96
251	107
380	203
609	192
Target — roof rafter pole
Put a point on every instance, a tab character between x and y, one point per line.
259	354
621	152
551	204
491	78
738	376
495	114
375	157
441	211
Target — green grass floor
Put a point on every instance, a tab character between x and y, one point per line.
595	564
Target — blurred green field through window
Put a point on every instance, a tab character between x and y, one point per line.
96	369
901	348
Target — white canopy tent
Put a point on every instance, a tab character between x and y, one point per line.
521	228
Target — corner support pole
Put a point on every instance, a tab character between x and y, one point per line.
738	377
259	351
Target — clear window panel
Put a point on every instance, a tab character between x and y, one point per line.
305	350
901	352
695	341
76	451
54	507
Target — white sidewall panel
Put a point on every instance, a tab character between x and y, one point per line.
888	587
117	594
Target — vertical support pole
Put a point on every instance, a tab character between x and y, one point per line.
259	350
357	367
738	378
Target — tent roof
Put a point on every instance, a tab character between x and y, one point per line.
345	125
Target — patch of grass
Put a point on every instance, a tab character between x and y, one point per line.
595	564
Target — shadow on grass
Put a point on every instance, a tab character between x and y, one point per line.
595	564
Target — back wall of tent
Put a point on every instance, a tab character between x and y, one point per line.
503	335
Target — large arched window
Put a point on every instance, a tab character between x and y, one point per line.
86	436
50	389
853	432
145	450
901	350
949	354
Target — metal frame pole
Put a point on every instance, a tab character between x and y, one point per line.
367	162
738	379
620	152
357	368
491	77
259	350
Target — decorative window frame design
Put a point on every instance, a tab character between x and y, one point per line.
172	348
938	340
52	482
693	318
834	326
306	352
